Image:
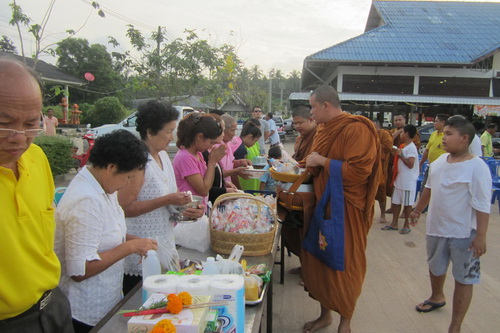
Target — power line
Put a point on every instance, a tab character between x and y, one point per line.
127	19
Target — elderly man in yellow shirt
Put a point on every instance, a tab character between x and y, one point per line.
29	298
434	147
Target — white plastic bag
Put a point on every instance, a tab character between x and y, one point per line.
195	235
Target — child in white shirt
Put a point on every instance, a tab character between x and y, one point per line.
405	183
459	191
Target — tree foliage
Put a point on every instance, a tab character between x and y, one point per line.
6	45
37	30
169	68
107	110
77	57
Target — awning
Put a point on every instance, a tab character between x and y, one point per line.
344	97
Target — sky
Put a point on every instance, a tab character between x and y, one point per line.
269	33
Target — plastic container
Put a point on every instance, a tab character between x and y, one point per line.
150	265
210	267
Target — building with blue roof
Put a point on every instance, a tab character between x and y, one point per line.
413	55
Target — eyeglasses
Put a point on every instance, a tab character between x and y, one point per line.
31	133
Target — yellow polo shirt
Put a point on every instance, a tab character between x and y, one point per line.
27	259
435	146
487	143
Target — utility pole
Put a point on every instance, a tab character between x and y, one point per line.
270	91
282	86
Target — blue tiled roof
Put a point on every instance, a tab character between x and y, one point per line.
424	32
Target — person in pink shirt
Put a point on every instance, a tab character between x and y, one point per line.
50	123
195	134
231	168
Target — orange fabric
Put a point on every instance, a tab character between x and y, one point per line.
386	143
303	146
293	237
395	165
353	140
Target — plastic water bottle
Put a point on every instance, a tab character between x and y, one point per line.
150	265
210	267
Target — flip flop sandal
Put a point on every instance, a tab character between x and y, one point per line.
433	306
405	231
388	227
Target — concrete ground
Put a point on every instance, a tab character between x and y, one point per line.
397	279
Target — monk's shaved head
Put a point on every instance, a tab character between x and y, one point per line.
326	94
301	111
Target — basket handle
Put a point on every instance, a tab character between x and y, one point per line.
293	189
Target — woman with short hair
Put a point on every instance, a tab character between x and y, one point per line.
91	238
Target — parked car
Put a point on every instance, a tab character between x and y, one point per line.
129	123
425	133
288	125
278	121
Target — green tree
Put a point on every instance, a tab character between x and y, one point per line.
77	57
6	45
107	110
167	69
37	30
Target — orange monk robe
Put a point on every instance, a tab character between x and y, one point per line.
386	143
303	145
354	141
293	236
397	143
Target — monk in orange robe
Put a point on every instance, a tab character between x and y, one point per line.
399	121
354	141
306	127
386	144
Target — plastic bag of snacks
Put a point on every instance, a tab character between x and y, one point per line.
244	214
241	218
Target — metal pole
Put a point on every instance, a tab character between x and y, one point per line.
270	92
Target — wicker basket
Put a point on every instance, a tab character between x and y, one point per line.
255	244
286	177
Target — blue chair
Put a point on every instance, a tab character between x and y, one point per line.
495	195
421	177
494	166
486	159
58	193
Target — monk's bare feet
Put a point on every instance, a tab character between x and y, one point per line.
382	220
323	321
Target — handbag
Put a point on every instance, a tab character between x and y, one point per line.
325	237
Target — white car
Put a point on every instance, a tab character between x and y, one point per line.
288	125
129	123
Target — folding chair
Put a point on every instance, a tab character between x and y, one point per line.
421	178
495	170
